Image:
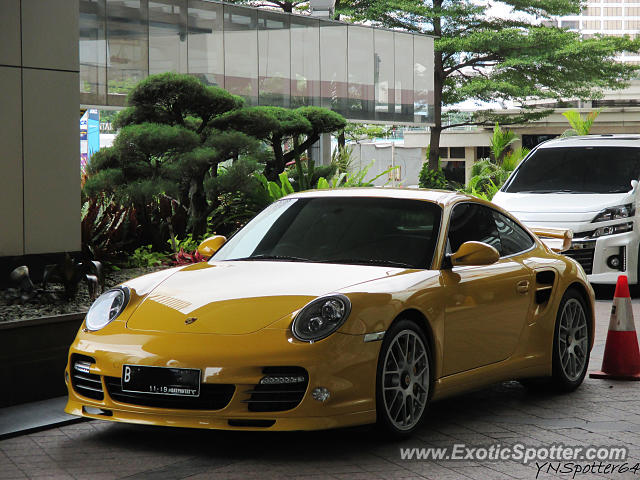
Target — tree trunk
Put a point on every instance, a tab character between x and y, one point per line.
438	82
275	168
198	207
341	140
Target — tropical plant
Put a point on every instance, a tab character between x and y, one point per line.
276	191
500	142
487	177
342	157
579	125
353	179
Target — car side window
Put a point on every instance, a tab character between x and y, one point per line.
513	238
473	222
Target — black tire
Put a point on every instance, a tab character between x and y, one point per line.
405	389
566	378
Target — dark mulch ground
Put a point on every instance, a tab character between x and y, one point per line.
42	306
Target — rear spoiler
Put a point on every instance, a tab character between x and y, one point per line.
557	239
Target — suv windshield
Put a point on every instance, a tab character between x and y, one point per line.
359	231
577	170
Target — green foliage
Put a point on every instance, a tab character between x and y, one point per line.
580	125
500	142
430	178
276	190
487	176
342	158
359	131
352	179
145	256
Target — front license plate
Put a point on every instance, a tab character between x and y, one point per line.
184	382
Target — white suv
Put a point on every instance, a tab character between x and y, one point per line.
587	184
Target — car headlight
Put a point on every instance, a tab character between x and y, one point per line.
614	213
106	308
321	317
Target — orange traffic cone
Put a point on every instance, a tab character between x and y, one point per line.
621	355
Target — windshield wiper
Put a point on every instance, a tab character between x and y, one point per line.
375	261
552	191
273	257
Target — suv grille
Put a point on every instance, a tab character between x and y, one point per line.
84	383
276	397
213	396
584	256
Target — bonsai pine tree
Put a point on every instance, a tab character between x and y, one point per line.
166	146
299	129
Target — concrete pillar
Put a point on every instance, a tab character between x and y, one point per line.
39	127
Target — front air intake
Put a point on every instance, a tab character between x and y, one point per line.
280	389
86	384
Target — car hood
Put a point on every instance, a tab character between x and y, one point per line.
239	297
562	208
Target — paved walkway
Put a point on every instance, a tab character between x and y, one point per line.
600	413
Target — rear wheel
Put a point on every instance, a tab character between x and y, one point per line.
571	342
404	384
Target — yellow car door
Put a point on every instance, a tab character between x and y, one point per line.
486	306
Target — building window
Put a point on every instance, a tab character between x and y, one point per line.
591	24
613	24
483	152
456	152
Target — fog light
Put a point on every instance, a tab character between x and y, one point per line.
613	261
321	394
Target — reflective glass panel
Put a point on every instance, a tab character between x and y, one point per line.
423	79
305	61
206	54
127	47
167	36
93	52
361	96
274	61
241	52
403	43
333	66
384	74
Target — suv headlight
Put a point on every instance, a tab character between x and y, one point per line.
106	308
321	317
614	213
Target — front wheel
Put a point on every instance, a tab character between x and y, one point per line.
404	378
571	342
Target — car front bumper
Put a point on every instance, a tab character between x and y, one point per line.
594	256
343	364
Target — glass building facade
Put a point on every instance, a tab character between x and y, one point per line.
268	57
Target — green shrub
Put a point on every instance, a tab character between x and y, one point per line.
432	178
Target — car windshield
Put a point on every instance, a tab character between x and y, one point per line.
577	170
359	231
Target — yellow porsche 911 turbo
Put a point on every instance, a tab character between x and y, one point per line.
334	308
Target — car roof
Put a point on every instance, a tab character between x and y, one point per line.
441	197
618	140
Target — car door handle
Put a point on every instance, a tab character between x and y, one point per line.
522	286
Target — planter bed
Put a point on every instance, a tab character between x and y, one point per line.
33	351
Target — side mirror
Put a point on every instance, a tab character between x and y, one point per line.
211	245
474	253
634	186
